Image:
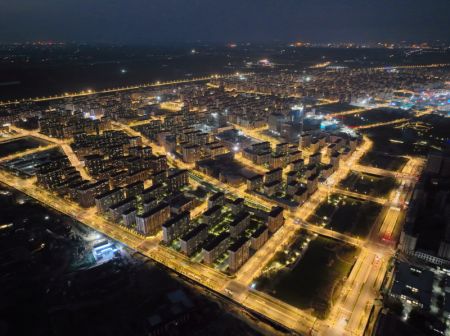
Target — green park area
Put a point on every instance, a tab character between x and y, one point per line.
346	215
314	281
368	184
383	161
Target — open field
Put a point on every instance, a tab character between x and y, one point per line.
368	184
346	215
383	161
374	116
20	145
314	282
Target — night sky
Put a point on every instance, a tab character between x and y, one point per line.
156	21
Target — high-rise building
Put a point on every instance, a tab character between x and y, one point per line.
296	114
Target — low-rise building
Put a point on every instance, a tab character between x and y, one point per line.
273	175
315	158
291	176
181	204
85	194
159	177
239	224
217	199
104	201
259	237
271	188
238	254
237	205
217	246
292	188
129	217
301	195
192	240
191	153
94	164
178	179
255	182
312	183
176	226
156	191
150	222
275	219
134	189
412	284
116	210
334	159
148	204
297	165
212	214
327	170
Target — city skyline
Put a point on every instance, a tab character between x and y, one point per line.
176	167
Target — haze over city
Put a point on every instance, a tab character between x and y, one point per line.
143	22
224	168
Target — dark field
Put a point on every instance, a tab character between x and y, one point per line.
315	281
368	184
374	116
19	145
383	161
347	215
51	284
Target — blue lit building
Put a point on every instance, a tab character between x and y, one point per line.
296	114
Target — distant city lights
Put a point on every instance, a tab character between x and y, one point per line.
265	62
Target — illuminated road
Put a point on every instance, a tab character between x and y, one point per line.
408	174
287	233
373	170
121	89
65	146
386	123
393	122
379	200
324	101
207	276
350	313
201	177
351	307
256	133
389	224
422	66
156	149
354	111
247	163
327	232
272	308
399	199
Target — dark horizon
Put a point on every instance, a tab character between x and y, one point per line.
176	21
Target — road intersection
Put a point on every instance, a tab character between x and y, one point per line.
349	314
